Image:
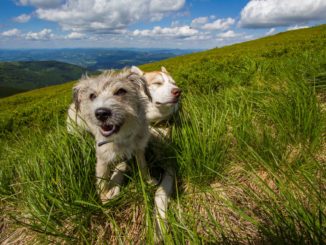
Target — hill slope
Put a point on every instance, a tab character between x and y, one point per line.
223	67
28	75
248	146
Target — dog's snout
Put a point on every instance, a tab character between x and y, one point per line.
176	92
103	114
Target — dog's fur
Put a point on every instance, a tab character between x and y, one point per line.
124	130
165	102
161	96
164	92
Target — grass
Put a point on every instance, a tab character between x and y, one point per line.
248	146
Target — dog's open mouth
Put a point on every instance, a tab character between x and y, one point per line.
109	129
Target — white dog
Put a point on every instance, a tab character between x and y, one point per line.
164	92
165	102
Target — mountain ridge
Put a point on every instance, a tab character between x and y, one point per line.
19	76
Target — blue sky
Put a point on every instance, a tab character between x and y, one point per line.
199	24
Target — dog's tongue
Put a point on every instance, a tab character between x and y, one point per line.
108	130
107	127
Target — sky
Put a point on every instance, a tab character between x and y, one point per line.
180	24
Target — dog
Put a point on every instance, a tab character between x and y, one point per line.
164	92
165	102
114	111
162	97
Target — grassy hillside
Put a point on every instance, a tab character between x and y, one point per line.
27	75
248	146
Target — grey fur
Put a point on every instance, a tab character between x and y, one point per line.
128	117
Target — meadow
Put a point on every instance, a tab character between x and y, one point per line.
248	146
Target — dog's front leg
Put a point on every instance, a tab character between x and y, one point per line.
116	180
108	189
142	164
162	196
102	173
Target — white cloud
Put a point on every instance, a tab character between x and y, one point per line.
107	16
42	3
270	32
22	18
199	21
272	13
75	35
156	17
45	34
200	37
175	23
248	37
219	24
228	34
177	32
11	33
164	5
296	27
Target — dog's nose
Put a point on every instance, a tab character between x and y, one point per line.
103	114
176	92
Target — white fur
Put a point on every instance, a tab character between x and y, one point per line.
163	104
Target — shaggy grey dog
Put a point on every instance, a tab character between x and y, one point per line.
113	110
160	96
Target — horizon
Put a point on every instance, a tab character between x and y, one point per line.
108	48
156	24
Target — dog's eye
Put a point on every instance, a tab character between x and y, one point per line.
92	96
157	83
120	92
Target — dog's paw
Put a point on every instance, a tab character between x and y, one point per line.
110	194
152	181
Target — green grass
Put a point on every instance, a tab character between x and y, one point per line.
248	146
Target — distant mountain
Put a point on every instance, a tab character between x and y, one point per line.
17	77
7	91
23	70
94	59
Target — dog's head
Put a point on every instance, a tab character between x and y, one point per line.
111	103
164	92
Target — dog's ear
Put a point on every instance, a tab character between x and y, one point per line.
141	83
75	97
85	76
163	69
136	70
